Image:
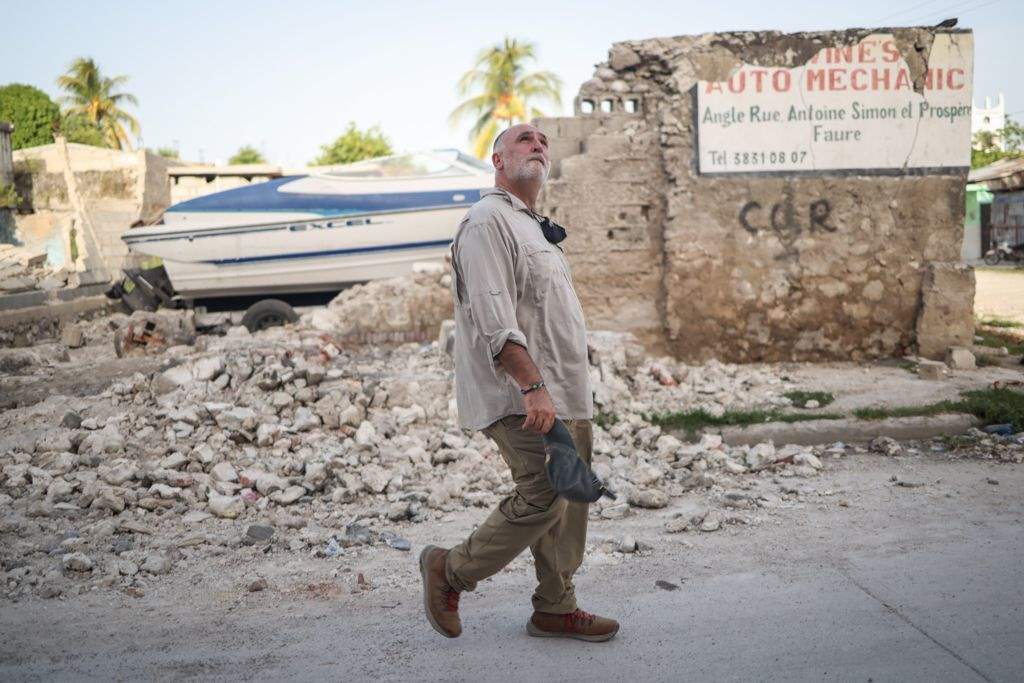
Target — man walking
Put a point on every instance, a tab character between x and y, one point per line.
520	361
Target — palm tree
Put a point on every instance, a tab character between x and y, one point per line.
505	92
97	97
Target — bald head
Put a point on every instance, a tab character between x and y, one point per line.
498	141
512	131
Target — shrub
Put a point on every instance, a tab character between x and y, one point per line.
32	112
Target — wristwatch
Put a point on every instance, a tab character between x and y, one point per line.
533	387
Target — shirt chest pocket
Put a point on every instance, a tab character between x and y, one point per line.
547	271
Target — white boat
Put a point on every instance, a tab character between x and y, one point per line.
317	232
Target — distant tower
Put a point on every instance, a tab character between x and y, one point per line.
989	118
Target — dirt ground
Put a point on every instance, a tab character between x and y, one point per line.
999	293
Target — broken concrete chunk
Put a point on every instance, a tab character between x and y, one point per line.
960	358
71	336
227	507
649	498
931	370
77	562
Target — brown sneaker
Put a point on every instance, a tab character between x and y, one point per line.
440	600
579	624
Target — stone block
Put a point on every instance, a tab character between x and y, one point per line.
563	147
577	126
71	336
622	57
599	193
590	168
946	316
959	358
601	146
931	370
990	351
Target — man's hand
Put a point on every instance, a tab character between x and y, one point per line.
540	411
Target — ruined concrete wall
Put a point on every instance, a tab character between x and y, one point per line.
118	189
795	266
605	179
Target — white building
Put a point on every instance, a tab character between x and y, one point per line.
989	118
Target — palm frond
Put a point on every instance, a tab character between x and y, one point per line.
100	99
503	90
482	121
484	139
471	107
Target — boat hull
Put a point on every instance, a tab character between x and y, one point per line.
321	254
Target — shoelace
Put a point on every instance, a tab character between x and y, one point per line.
573	620
451	599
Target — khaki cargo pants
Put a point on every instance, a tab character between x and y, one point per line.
533	517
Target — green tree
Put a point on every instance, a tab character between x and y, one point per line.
77	128
354	145
986	148
31	111
247	155
504	92
100	100
165	152
9	198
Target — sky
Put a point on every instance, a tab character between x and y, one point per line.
288	77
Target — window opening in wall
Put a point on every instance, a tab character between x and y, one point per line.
632	105
607	106
587	106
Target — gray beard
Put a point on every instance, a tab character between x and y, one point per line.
527	172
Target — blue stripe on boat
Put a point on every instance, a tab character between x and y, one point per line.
332	252
266	197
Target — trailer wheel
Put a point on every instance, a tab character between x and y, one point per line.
268	313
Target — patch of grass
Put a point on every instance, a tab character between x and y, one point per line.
985	361
955	443
996	339
907	411
800	398
996	321
692	420
996	406
605	420
991	406
908	365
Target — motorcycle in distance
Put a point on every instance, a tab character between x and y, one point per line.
1003	251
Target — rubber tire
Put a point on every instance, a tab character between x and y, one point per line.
268	313
992	258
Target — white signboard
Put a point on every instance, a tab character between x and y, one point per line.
850	107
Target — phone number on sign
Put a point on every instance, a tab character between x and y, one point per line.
762	158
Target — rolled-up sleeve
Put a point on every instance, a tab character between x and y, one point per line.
485	266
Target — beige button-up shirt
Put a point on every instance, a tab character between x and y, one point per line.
511	284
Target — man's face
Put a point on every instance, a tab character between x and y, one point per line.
523	154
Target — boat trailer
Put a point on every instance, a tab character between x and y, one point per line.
148	289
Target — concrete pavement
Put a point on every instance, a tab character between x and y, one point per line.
860	581
952	613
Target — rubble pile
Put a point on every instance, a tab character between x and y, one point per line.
397	309
22	270
289	439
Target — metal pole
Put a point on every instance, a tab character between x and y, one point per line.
6	154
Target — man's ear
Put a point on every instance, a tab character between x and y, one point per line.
495	160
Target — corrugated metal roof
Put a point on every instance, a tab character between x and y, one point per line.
1003	175
247	170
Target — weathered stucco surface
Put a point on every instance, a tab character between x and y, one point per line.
748	268
117	188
